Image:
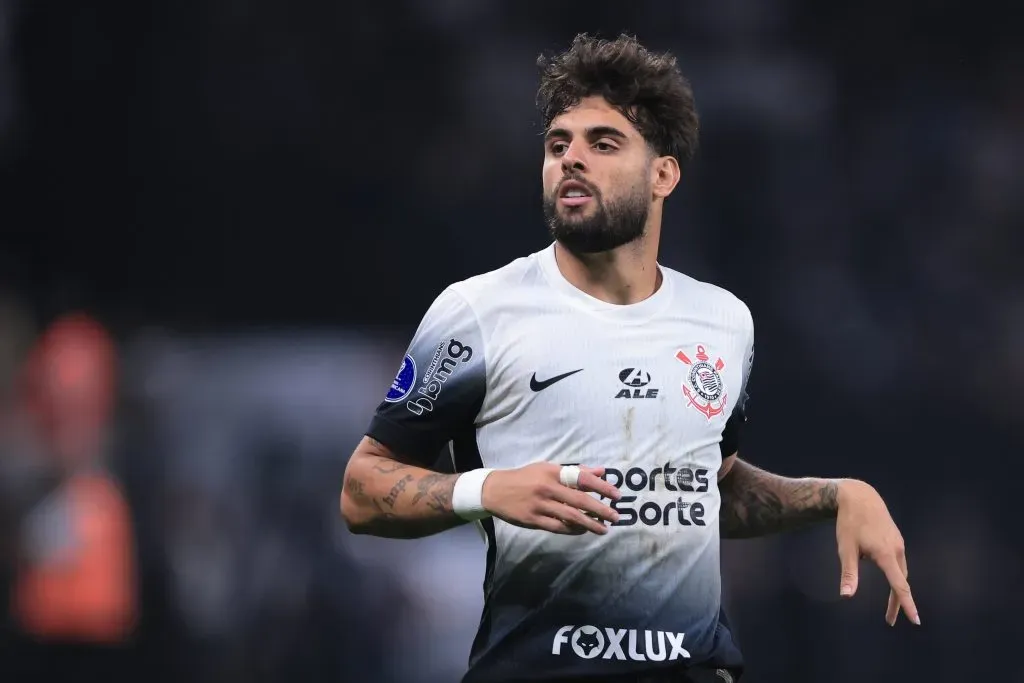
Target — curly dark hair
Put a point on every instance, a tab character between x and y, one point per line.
647	88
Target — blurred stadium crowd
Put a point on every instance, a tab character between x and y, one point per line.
221	221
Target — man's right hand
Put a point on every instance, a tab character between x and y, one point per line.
533	497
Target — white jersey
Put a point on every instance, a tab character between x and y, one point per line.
518	366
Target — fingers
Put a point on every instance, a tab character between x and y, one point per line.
586	478
554	526
579	500
573	518
590	480
894	573
565	510
892	609
849	559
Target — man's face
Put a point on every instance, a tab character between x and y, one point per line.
597	178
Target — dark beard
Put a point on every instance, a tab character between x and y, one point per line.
611	226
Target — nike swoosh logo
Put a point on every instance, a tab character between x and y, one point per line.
541	385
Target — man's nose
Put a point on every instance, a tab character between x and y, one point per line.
572	161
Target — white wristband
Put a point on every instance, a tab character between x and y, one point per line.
467	496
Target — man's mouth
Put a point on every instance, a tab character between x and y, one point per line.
574	193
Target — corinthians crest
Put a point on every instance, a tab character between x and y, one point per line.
704	388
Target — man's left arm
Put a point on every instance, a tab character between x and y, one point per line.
757	503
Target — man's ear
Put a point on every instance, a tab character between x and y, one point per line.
665	173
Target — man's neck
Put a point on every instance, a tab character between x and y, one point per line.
622	276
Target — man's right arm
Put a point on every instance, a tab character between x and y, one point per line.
385	495
389	489
436	395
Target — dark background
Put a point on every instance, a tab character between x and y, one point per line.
260	199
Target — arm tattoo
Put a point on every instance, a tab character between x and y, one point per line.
757	503
389	466
437	489
396	490
378	491
357	490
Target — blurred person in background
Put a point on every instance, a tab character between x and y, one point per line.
74	599
575	355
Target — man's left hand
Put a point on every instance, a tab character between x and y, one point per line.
864	528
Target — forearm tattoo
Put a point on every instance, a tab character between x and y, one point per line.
418	501
396	490
757	503
357	491
436	490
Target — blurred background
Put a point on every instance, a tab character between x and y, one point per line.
221	221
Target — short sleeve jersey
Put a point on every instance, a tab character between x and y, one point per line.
518	366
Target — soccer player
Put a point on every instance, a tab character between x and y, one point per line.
592	402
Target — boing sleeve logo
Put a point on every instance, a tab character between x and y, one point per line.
703	387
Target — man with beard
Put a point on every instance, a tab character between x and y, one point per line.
592	402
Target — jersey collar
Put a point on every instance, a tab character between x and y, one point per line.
640	312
